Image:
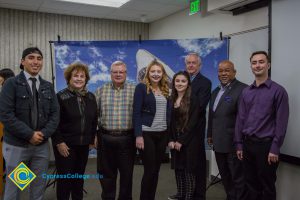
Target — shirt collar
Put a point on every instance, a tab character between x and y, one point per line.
267	83
193	76
27	76
226	86
118	88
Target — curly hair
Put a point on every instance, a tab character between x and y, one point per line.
163	84
185	102
77	66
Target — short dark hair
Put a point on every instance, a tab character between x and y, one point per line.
28	51
260	52
6	73
77	66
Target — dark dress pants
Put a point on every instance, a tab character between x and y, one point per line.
231	171
75	163
116	153
260	177
200	189
154	149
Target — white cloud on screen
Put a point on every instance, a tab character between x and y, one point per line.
102	76
94	52
204	47
61	54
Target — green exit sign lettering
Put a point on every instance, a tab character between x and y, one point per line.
194	6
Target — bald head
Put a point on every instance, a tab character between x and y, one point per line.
226	72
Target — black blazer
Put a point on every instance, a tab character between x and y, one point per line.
221	123
201	89
190	139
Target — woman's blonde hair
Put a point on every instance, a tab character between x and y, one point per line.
163	84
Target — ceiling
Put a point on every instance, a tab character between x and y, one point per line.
134	10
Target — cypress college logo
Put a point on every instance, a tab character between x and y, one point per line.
22	176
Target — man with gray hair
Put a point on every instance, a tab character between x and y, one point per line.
116	141
201	88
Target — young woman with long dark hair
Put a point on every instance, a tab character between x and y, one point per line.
184	138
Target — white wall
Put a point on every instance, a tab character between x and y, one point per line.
285	64
286	70
181	25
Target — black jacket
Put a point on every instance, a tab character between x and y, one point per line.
15	110
190	138
201	88
78	123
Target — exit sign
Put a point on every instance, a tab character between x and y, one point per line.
194	6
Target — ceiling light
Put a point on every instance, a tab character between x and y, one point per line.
107	3
143	18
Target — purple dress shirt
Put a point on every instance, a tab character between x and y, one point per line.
263	112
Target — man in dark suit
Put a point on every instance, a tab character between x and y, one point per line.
221	122
201	88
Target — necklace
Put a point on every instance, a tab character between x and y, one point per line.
156	91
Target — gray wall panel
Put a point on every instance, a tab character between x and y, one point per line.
21	29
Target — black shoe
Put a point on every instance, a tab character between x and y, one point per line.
174	197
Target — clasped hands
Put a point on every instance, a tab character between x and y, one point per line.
37	138
175	145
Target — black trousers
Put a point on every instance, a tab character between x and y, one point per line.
74	163
116	153
231	171
200	190
260	177
154	149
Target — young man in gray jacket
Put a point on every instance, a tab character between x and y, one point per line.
30	113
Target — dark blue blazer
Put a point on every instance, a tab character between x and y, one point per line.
201	88
144	109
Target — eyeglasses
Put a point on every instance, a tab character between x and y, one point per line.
118	72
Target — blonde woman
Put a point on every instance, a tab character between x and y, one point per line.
151	113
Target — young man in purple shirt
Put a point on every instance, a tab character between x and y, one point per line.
260	129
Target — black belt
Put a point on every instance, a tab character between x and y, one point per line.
117	132
254	138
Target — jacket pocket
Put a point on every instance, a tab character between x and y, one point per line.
46	99
22	100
